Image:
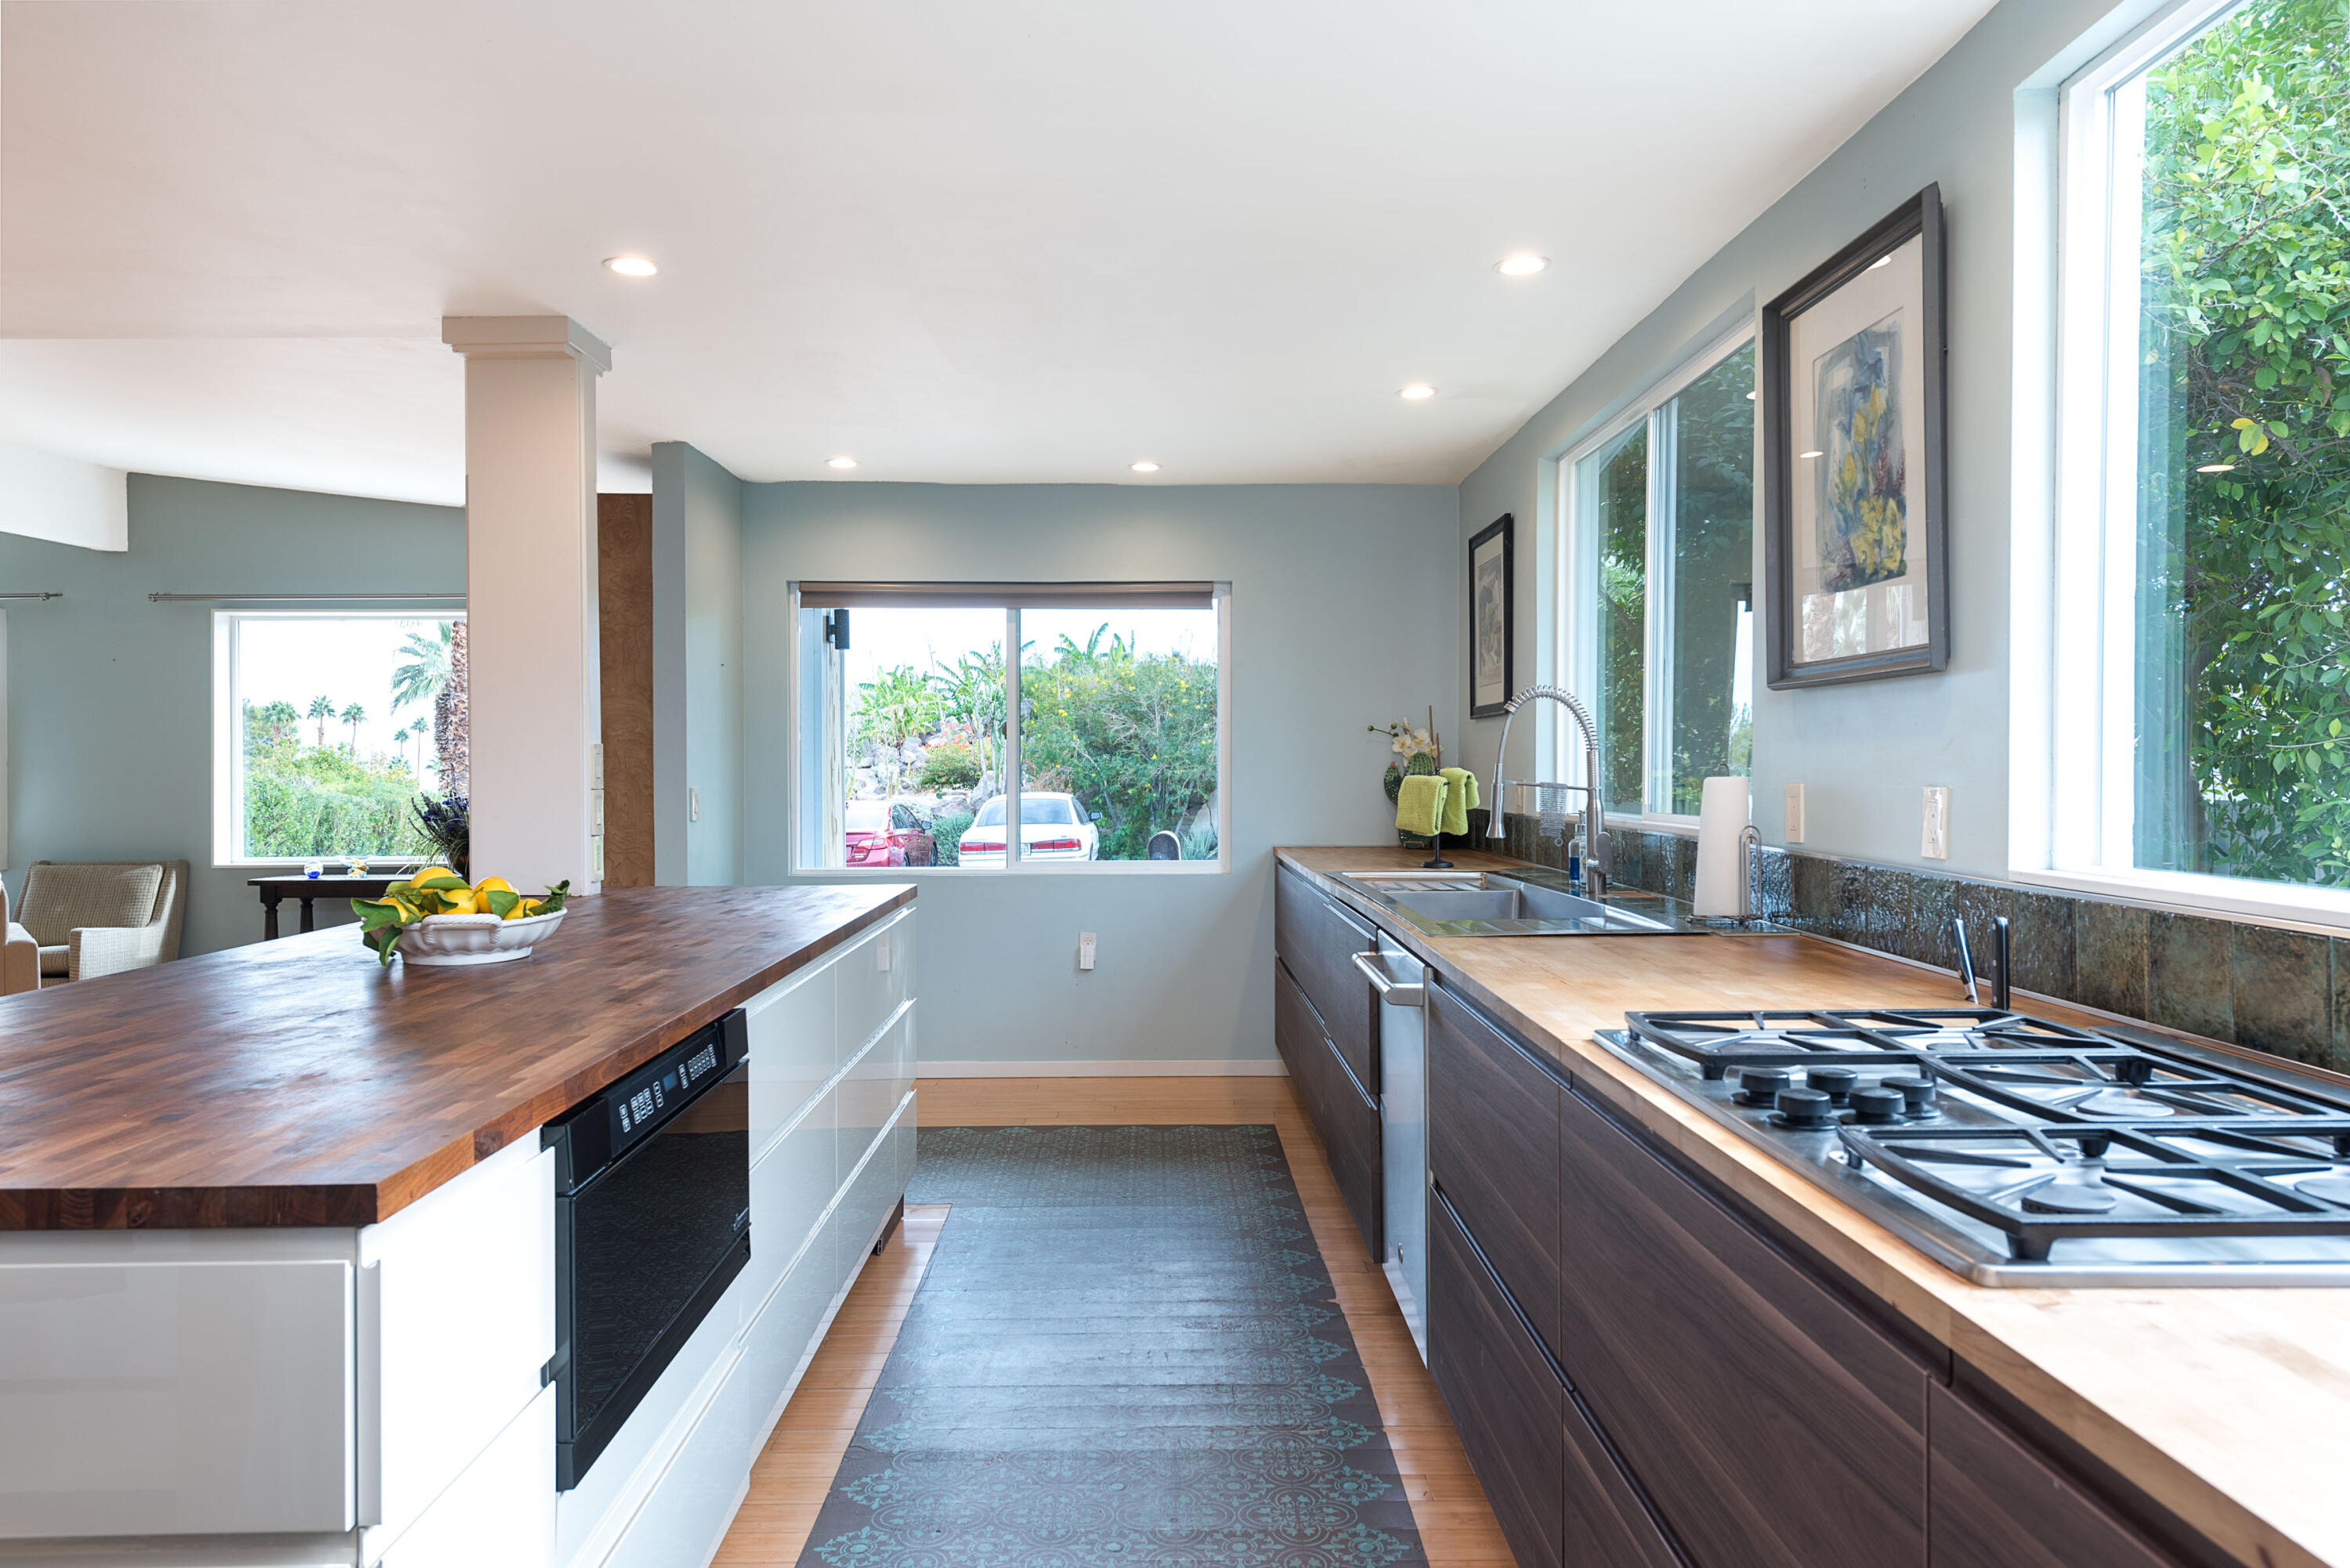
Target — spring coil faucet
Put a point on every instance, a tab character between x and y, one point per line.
1602	848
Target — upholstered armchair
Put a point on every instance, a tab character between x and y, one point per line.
88	919
20	960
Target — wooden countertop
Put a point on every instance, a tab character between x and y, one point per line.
296	1083
2222	1405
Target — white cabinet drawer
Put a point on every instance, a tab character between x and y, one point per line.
794	1051
870	1091
501	1512
176	1398
791	1187
874	973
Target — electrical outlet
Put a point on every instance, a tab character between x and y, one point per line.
1795	834
1935	844
595	811
595	765
1085	950
596	857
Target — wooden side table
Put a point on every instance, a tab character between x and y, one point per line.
275	889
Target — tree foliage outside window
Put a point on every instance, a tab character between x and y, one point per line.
2243	719
1131	736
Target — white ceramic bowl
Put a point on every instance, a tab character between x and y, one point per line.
473	939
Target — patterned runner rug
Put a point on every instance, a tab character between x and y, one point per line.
1126	1352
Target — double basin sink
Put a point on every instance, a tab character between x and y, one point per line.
1484	904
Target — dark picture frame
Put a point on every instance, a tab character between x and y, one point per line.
1801	646
1493	563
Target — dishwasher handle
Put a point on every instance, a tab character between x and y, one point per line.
1393	992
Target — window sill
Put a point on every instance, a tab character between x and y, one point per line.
2325	910
375	864
1033	869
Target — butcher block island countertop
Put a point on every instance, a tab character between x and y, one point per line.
2227	1406
297	1083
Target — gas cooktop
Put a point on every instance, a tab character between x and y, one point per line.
2017	1152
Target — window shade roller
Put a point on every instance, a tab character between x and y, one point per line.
1007	596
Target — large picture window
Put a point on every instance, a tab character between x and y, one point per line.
329	730
2202	712
1659	571
917	732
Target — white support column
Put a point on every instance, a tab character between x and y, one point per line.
530	596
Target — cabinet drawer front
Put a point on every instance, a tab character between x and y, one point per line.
1319	940
1510	1409
1345	1120
792	1053
1773	1425
1997	1504
1492	1148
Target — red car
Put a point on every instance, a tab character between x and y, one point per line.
902	844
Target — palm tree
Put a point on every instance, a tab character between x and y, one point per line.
426	673
400	739
321	709
355	716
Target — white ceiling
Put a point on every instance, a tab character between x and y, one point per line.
964	240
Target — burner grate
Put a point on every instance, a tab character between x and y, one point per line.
2040	1182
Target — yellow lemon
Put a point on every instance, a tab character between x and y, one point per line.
459	901
491	885
523	908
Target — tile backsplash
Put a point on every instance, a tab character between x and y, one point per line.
2286	992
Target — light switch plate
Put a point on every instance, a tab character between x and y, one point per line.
596	857
1935	842
595	765
1085	950
1795	834
881	952
692	803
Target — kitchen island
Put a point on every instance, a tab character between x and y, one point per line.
278	1239
2173	1423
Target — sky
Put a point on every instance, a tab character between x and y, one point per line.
346	658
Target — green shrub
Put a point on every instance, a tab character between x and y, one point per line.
316	802
946	832
951	764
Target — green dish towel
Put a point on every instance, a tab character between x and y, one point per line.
1458	799
1420	804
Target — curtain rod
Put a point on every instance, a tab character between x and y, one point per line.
31	595
298	598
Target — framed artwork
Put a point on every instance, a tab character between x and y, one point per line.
1854	421
1492	594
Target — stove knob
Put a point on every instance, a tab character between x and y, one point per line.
1806	1108
1834	1081
1874	1107
1917	1092
1761	1086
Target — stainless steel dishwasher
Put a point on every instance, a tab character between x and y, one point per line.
1399	980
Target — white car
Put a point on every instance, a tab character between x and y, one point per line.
1052	828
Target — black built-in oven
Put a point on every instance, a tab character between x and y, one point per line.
652	1220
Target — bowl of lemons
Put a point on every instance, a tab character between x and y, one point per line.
436	916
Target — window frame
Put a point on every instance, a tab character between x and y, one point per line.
1014	863
2090	742
1576	583
227	797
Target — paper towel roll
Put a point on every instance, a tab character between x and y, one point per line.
1721	820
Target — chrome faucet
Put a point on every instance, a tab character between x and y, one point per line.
1600	848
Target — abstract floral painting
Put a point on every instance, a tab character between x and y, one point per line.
1863	512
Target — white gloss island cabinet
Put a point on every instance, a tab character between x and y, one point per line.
377	1394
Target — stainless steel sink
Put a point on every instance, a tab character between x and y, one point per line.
1483	904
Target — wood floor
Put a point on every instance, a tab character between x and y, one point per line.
791	1478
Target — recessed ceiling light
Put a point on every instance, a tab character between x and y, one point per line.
631	266
1520	265
1803	455
2215	468
1419	391
1881	260
1145	466
840	463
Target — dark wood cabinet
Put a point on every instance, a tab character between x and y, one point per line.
1492	1151
1344	1115
1319	940
1774	1425
1995	1503
1559	1495
1510	1409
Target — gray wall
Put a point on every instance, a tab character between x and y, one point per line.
111	698
697	604
1343	613
1867	750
